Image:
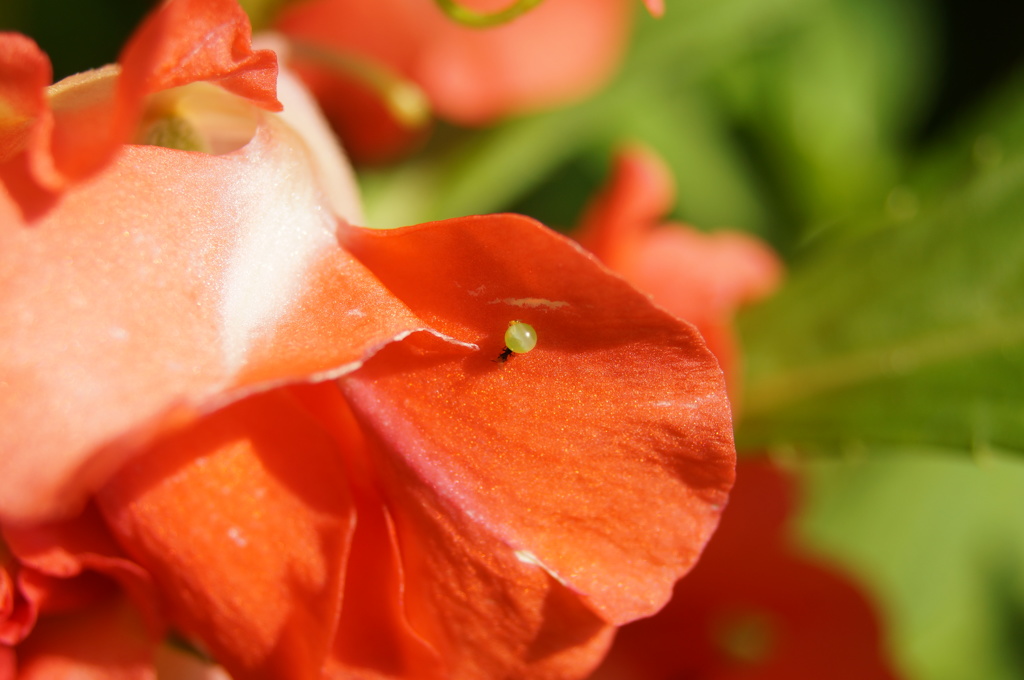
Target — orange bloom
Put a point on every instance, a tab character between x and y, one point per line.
558	52
296	427
71	601
755	607
703	278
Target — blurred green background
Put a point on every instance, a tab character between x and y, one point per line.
878	145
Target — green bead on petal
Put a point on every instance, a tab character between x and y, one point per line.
520	337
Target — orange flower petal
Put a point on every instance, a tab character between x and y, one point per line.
374	635
26	72
163	52
75	563
618	417
172	281
639	193
244	521
26	121
87	117
489	610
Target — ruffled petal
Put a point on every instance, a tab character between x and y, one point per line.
374	636
90	115
489	610
617	418
244	521
187	41
70	566
172	281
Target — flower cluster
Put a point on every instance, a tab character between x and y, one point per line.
287	434
244	435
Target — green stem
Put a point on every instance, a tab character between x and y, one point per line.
474	19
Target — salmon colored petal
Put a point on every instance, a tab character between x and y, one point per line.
425	600
618	417
705	279
490	611
163	52
556	53
172	281
374	636
26	121
83	120
106	642
244	521
96	112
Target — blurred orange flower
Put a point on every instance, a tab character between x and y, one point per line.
756	607
558	52
703	278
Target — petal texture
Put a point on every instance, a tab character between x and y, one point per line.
170	280
244	521
618	416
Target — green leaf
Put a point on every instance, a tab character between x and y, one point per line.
483	172
829	104
715	183
910	334
978	145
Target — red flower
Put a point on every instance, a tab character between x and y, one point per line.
703	278
756	607
556	53
297	428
